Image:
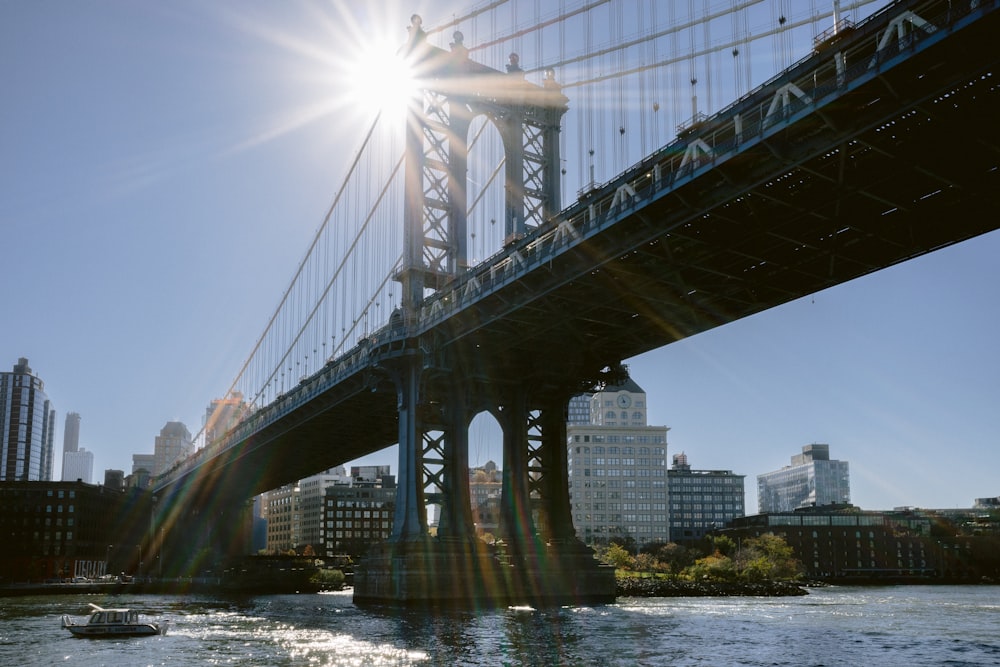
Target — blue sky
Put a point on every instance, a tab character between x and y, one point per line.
163	167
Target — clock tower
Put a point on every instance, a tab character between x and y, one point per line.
619	405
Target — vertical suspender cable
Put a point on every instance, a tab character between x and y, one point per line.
706	60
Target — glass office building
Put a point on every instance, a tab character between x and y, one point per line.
27	426
811	480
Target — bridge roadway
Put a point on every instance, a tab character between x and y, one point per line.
880	146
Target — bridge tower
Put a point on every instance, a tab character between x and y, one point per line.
539	558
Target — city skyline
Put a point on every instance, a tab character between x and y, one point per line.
164	168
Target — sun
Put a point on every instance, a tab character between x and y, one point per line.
380	80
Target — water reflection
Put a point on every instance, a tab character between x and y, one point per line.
897	625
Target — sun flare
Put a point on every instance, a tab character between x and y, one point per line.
380	80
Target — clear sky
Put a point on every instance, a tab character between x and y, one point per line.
163	167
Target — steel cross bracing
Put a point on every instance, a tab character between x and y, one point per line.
895	153
433	423
456	90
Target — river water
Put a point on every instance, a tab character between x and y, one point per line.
904	625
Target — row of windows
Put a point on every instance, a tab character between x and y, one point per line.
616	472
608	403
629	495
680	518
362	514
611	414
687	498
616	484
622	506
615	461
36	493
806	520
360	524
702	483
651	439
38	509
630	521
47	536
355	503
38	521
679	507
361	534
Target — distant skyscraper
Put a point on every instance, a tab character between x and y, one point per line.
143	462
812	480
78	465
617	469
223	414
71	432
173	443
27	426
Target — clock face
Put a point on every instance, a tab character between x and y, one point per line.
624	400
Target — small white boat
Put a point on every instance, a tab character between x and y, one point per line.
113	623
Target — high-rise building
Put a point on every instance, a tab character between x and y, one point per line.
296	515
283	518
173	443
811	480
27	426
312	494
223	414
143	462
71	432
359	516
617	467
74	464
142	471
701	501
78	465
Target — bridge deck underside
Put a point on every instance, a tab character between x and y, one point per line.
901	166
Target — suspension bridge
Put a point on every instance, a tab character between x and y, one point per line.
449	279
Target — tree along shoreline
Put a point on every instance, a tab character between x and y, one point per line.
661	587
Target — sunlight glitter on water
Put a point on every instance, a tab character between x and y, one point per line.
316	647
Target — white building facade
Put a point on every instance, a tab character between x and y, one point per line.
617	468
312	497
78	464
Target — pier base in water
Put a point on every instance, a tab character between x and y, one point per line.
464	574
